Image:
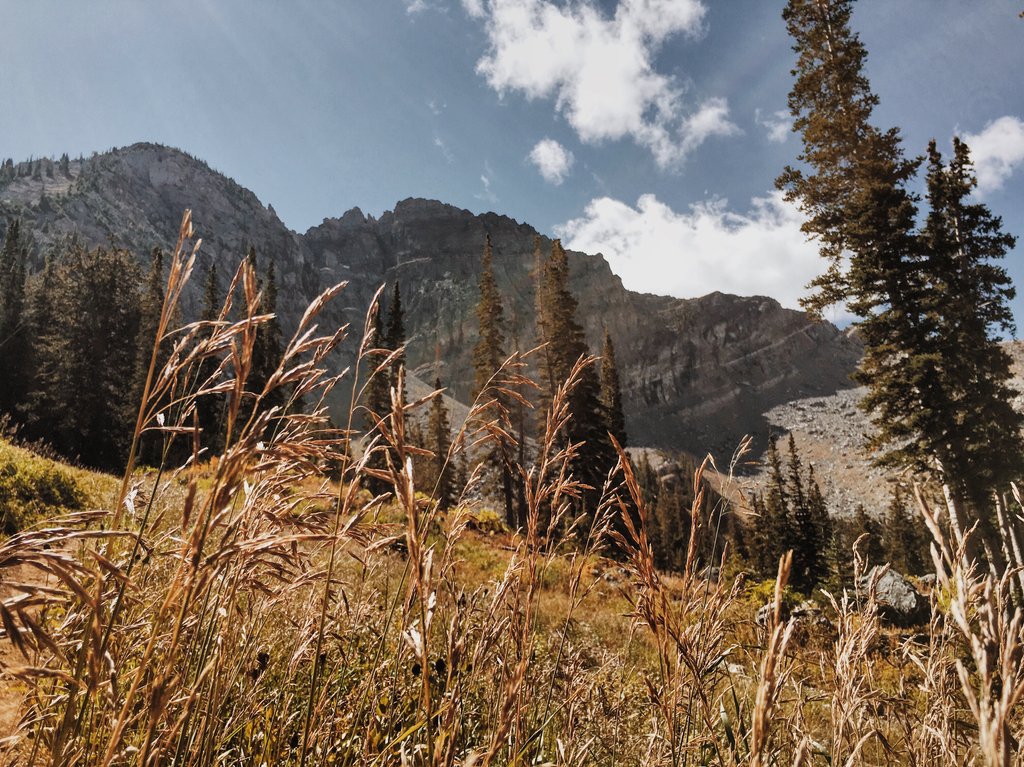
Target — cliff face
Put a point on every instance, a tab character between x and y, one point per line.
697	374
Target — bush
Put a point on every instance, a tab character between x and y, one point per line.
32	488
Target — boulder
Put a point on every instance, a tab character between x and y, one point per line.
899	603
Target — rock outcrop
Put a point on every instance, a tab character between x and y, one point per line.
697	374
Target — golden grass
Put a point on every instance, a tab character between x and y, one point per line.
259	607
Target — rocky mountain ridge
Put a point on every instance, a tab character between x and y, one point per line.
697	374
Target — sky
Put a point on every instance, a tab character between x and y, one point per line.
648	130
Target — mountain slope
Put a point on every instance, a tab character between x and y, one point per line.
697	374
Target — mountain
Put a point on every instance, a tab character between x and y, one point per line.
697	374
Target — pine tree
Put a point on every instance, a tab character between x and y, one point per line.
488	357
209	407
671	528
150	308
84	365
394	337
39	411
611	391
377	398
866	528
440	439
970	427
566	344
65	165
904	541
15	349
267	349
925	300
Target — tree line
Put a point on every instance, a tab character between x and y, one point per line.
76	339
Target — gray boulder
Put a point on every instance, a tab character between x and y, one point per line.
899	603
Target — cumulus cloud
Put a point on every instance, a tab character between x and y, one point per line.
474	8
552	159
413	7
778	125
997	151
599	70
655	249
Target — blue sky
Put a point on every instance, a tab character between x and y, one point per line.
649	130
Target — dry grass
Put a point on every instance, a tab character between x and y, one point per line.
260	607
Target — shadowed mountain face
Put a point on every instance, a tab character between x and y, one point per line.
697	374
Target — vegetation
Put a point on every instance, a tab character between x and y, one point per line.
266	584
248	611
928	300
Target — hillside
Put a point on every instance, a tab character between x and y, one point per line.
697	374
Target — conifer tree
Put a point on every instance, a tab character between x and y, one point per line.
267	349
394	337
14	337
918	336
671	528
566	345
611	391
209	407
871	546
84	365
969	427
440	439
904	539
488	357
38	408
377	398
150	308
65	165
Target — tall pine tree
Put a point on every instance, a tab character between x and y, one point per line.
488	357
611	391
896	279
15	348
560	330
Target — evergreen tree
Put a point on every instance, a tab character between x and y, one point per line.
65	165
969	426
488	357
377	398
871	548
394	337
267	350
925	300
671	528
440	439
904	539
611	391
39	410
588	426
210	407
85	368
15	347
150	308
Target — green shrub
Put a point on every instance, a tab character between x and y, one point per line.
32	488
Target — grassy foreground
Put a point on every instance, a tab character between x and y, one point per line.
262	606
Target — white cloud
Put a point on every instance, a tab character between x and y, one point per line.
599	70
552	159
486	178
413	7
474	8
655	249
443	147
778	125
997	151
